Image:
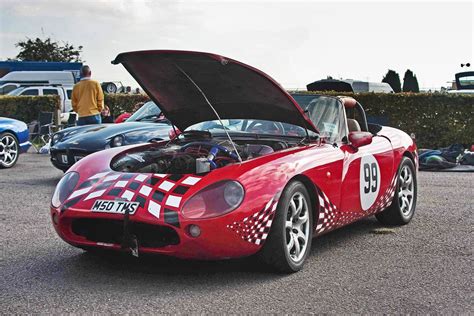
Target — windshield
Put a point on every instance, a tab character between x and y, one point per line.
17	91
466	81
326	113
148	112
251	126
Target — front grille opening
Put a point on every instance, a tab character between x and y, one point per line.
111	231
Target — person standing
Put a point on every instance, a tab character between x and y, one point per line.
87	99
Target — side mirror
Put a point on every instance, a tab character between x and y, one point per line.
173	133
359	139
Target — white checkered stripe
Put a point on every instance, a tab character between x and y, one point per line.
386	199
160	194
256	227
330	217
328	214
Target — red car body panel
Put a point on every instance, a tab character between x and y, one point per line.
333	171
333	174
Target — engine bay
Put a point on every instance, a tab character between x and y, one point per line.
195	156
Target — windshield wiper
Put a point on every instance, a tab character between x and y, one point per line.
147	117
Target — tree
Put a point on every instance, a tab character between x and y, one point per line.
410	83
48	50
393	79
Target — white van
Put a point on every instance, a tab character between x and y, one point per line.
16	79
64	93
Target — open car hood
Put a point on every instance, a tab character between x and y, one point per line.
179	80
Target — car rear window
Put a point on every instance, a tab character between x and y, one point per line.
30	92
50	92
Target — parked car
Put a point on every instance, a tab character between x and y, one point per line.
64	93
13	141
255	171
112	87
349	85
74	143
464	83
16	79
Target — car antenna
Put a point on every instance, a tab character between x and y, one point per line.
213	109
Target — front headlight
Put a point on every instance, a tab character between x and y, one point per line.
117	141
64	188
215	200
56	138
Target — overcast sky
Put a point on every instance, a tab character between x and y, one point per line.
294	42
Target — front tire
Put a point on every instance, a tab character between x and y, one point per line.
402	209
289	241
9	150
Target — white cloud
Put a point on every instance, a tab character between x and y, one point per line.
295	42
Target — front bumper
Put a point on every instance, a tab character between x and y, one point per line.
24	147
64	159
216	240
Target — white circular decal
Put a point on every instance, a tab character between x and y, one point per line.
369	181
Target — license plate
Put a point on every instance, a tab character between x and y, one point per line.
116	207
64	158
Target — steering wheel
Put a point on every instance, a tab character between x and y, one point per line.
266	126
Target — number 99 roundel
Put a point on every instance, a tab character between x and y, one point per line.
369	181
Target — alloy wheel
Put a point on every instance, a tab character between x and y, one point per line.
406	190
297	227
8	150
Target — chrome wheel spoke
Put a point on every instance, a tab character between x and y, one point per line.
299	207
302	219
297	247
291	243
292	208
297	228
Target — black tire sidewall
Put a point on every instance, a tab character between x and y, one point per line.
17	146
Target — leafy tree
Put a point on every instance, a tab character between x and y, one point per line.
410	83
48	50
393	79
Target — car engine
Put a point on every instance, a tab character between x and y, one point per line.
192	157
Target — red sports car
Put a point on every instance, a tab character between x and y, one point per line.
255	170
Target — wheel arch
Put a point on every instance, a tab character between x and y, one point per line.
409	155
11	132
313	194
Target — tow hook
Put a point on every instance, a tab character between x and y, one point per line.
129	241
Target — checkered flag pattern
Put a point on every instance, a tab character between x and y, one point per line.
159	194
330	217
328	214
256	227
386	199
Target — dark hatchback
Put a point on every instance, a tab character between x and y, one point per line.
72	144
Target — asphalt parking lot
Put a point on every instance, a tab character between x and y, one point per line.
424	267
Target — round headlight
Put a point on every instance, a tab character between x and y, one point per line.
56	138
64	188
117	141
233	193
214	200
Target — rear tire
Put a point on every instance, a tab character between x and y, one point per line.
289	240
402	209
9	150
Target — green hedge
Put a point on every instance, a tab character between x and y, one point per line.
437	120
27	109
